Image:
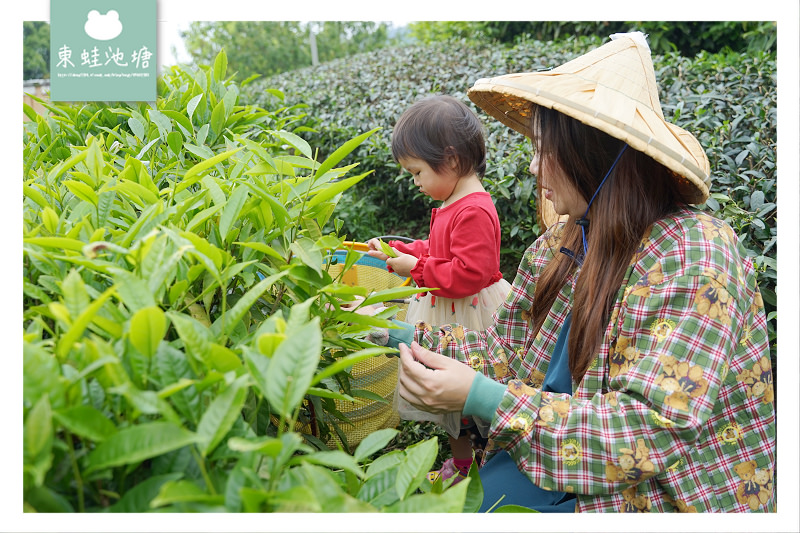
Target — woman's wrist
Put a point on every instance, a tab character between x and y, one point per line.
484	397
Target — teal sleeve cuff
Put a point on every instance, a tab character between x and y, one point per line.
484	397
405	334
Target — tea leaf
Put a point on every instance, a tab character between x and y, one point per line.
292	368
342	152
385	462
200	137
220	65
295	141
231	95
183	491
137	128
195	336
181	119
335	459
161	121
137	499
38	438
82	191
192	105
269	342
81	323
218	116
278	210
192	175
380	489
136	192
327	393
205	248
211	184
330	191
514	509
172	366
474	496
450	501
147	328
221	414
41	376
147	147
224	324
385	248
137	443
374	442
231	211
264	248
133	291
237	480
392	294
258	150
86	421
350	360
305	250
223	359
149	216
416	465
75	295
35	195
264	445
175	142
201	217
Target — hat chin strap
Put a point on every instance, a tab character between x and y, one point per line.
583	222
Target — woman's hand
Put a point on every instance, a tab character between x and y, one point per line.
441	387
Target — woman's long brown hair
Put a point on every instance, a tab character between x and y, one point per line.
637	193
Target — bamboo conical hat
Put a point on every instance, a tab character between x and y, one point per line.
612	88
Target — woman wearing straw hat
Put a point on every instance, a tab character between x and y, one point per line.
629	368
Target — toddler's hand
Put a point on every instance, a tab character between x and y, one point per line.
375	250
403	264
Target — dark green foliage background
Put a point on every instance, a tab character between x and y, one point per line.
728	100
683	36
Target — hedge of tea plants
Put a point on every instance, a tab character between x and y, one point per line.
182	335
728	100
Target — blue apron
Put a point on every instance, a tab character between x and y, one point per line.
500	476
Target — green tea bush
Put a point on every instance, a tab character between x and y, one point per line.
180	325
729	101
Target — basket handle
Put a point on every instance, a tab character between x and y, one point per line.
394	238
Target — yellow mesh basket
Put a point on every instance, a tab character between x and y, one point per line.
377	374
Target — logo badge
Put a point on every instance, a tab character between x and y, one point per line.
103	50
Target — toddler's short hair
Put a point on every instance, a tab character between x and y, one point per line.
436	127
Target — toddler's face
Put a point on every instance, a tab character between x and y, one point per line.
437	185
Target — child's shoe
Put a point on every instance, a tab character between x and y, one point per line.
447	471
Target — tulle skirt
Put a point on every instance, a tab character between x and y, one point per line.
473	312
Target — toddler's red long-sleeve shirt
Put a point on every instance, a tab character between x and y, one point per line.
462	254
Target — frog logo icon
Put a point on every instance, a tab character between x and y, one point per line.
102	27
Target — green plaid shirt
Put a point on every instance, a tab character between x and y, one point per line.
675	414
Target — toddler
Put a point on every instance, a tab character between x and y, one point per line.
439	140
